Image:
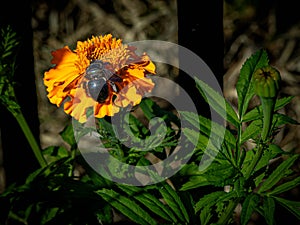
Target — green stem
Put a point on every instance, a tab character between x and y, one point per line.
268	105
238	144
30	138
15	217
254	161
73	155
268	109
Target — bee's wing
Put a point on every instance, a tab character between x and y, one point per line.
73	83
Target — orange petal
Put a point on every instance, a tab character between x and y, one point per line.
133	92
128	96
105	109
135	72
149	66
63	56
78	105
144	85
57	78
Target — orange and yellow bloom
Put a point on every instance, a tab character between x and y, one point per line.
65	81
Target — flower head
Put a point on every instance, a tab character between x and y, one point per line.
266	82
101	73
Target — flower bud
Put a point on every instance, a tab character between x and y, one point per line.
266	82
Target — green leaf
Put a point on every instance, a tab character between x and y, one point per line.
270	153
244	85
213	198
203	145
105	215
281	102
149	201
53	153
195	178
59	167
173	200
50	214
260	169
217	174
200	141
97	180
281	119
247	160
292	206
268	210
209	200
148	107
280	172
256	113
68	136
217	102
126	206
209	128
10	103
205	216
252	131
248	207
136	127
9	42
195	182
32	176
105	126
276	150
285	187
255	127
151	110
213	135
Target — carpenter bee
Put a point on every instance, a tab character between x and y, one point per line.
98	81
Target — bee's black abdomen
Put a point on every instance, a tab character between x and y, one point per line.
98	90
103	94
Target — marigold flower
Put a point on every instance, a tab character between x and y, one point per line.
101	73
